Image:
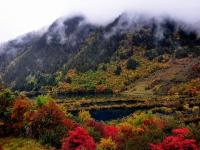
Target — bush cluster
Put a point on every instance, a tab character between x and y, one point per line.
49	125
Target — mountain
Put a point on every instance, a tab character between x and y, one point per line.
45	53
46	59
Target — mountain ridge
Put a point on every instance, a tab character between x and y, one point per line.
74	43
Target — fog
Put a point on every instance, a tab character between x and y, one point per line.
22	16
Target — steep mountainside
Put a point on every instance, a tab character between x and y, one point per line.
97	58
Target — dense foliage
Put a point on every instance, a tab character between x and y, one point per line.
50	125
181	139
78	139
47	124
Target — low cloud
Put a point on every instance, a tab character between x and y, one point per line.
22	16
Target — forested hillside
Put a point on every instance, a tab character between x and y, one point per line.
101	58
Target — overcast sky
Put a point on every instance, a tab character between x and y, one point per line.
20	16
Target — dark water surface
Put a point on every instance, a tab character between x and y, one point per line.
111	114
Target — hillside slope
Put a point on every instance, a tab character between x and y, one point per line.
74	56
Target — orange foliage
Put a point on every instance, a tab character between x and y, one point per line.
71	73
20	107
126	130
46	118
153	122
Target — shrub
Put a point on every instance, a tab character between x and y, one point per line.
195	129
127	134
47	124
107	144
172	123
53	136
41	100
153	122
176	141
132	64
110	131
182	132
98	126
6	102
126	131
78	139
21	106
138	119
94	133
69	124
146	128
84	116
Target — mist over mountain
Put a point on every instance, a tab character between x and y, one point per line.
75	43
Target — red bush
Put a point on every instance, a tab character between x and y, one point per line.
126	134
47	117
98	126
182	132
153	122
112	132
176	142
48	125
20	107
69	124
78	139
126	131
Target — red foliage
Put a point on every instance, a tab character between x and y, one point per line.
20	107
46	118
112	132
153	122
126	131
1	148
78	139
98	126
176	142
69	124
182	132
